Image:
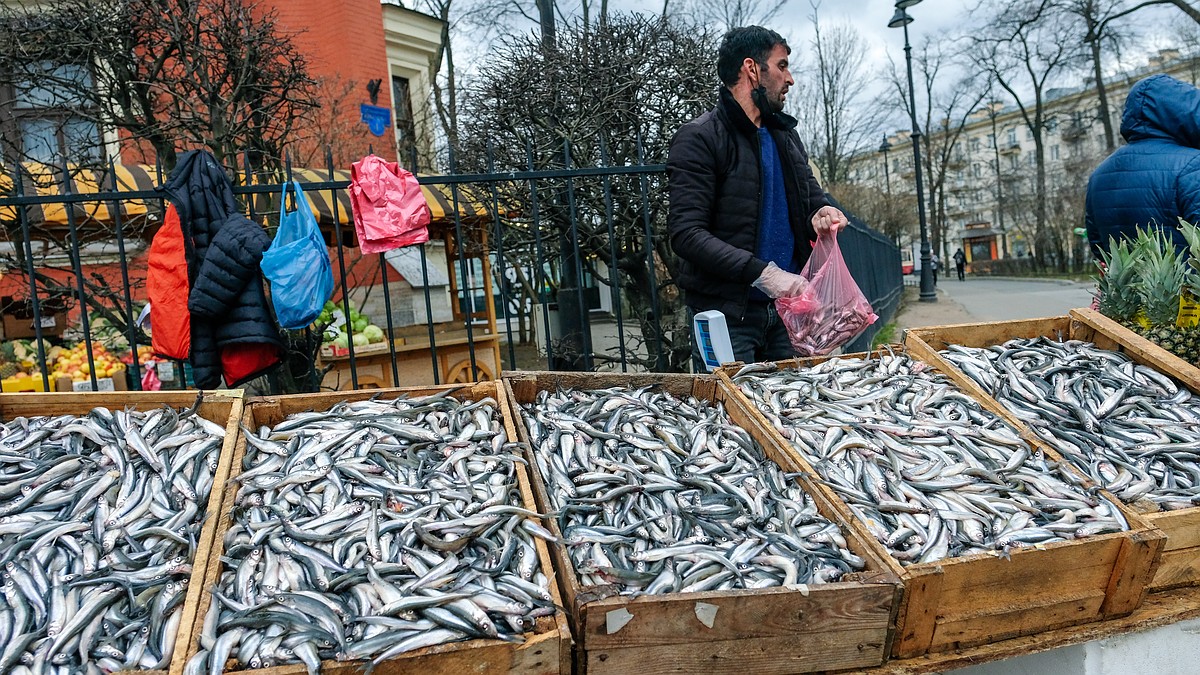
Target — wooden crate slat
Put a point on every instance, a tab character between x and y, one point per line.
1022	620
814	652
770	612
1180	567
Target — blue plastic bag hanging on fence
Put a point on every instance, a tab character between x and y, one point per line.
297	264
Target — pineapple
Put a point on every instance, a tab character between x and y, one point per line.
1117	286
8	361
1162	275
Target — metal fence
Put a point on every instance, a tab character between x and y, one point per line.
513	245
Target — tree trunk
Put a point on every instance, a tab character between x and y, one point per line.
1101	90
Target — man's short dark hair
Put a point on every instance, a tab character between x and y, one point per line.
739	44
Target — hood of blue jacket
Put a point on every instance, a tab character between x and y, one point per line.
1164	108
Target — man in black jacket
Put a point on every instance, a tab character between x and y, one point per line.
745	206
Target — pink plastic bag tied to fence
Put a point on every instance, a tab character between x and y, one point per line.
832	310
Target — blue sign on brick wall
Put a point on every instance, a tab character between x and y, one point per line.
377	118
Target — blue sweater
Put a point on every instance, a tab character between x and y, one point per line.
776	242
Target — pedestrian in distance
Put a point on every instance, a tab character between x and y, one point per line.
1153	180
960	264
744	205
934	264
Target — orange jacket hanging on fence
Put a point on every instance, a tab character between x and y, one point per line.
389	208
167	288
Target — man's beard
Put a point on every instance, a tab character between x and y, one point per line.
765	105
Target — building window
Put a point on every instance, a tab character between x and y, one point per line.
1028	134
1054	152
1012	137
978	171
1012	162
974	145
45	116
406	133
991	140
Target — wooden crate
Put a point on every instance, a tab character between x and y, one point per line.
971	600
546	650
1180	564
221	407
822	627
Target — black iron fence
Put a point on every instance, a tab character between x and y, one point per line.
526	269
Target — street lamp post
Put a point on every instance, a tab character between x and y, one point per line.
901	20
887	175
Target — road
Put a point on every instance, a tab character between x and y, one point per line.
988	299
981	299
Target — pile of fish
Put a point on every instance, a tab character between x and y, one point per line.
930	473
373	529
659	495
1130	428
99	519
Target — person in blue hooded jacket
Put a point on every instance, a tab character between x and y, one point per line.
1155	179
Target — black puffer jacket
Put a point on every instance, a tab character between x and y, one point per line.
714	179
227	302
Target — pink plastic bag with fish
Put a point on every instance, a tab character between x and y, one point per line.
832	310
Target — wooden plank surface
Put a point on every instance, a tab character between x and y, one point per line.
742	614
546	649
1033	616
1182	526
1180	567
1159	609
991	333
802	653
1133	573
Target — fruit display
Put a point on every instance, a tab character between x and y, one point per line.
145	355
18	358
340	332
1150	287
73	363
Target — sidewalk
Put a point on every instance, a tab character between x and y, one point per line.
916	314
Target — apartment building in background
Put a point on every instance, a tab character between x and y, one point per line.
986	204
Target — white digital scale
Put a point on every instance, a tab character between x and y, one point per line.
712	335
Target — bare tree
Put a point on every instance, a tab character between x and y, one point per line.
1102	36
835	110
613	95
944	116
1026	46
891	212
733	13
173	73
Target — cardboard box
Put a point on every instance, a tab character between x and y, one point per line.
16	316
118	382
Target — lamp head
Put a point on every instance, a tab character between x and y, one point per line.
885	146
905	4
901	18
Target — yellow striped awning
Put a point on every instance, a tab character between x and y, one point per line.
47	181
330	206
440	199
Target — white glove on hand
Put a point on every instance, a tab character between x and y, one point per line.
777	283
